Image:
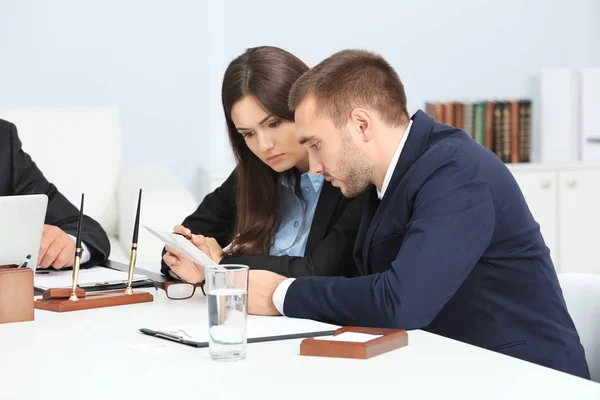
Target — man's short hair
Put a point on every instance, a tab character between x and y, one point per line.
350	79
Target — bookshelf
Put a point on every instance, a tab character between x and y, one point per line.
503	126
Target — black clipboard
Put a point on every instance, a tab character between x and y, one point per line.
179	339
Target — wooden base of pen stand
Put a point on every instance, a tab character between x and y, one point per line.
90	300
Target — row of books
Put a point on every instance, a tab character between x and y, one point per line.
504	127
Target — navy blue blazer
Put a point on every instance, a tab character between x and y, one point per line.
453	249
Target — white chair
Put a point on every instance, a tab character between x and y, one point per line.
79	150
582	295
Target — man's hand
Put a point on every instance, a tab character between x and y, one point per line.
261	286
57	249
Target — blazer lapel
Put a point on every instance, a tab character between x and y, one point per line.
413	149
360	253
326	205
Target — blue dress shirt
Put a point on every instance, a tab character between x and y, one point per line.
297	217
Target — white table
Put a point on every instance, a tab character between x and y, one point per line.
100	354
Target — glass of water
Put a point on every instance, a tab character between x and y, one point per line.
226	290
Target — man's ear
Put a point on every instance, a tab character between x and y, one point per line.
363	123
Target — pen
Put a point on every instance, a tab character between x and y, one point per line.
134	243
188	237
25	261
78	250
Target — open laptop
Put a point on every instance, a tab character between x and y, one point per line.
22	223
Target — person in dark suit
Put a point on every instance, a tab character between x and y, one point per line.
271	213
447	242
19	175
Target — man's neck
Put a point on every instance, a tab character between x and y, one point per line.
386	147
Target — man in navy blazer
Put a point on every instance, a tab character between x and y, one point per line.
447	242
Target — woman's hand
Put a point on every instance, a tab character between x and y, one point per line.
187	270
207	244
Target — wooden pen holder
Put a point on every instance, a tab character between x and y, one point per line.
387	340
16	294
57	299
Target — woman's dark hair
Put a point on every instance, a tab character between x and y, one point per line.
266	73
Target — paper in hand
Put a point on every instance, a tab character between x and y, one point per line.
183	247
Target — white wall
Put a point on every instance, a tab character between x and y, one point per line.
162	62
147	57
442	50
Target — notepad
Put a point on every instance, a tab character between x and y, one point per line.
259	329
96	276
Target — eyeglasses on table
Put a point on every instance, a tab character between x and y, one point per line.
177	290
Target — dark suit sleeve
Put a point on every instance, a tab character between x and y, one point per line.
451	226
215	217
28	179
331	257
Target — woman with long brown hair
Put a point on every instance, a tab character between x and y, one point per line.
271	213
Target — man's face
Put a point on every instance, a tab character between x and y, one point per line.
334	153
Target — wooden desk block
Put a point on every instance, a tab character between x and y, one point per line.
391	339
16	294
93	300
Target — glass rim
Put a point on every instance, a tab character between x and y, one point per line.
227	268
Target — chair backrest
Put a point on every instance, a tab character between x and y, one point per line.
79	150
582	295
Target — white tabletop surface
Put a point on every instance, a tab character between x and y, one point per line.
100	354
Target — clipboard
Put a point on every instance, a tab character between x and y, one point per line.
258	329
180	339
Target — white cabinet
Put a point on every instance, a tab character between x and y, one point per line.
565	201
541	193
579	220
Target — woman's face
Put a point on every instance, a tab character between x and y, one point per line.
269	137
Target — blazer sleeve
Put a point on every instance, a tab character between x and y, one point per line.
451	227
333	256
28	179
215	217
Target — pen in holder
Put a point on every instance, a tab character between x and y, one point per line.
78	251
65	299
134	243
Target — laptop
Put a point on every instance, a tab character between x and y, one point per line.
21	228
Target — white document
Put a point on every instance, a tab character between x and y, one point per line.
88	277
351	337
257	327
183	246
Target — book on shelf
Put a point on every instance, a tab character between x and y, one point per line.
502	126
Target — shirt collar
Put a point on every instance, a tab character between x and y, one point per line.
316	181
393	163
